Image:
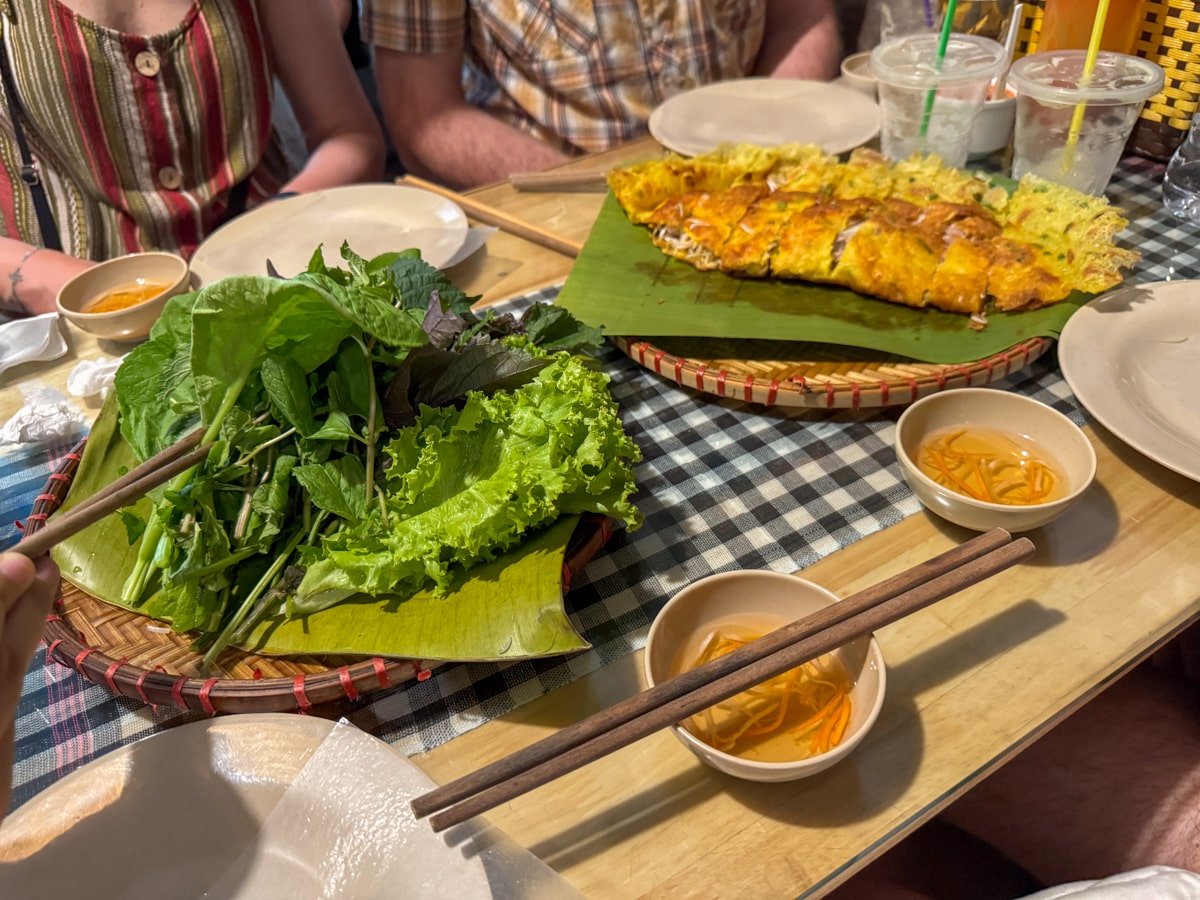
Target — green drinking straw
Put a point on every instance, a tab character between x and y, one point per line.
943	40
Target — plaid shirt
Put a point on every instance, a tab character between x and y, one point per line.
582	74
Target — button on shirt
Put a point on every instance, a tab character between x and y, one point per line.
170	178
579	73
147	63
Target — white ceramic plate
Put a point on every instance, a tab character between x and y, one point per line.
206	807
766	111
374	218
1132	358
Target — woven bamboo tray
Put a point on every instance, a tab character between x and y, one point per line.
137	657
787	373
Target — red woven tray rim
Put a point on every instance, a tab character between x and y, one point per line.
689	373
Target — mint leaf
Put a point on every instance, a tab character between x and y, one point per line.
337	486
554	328
134	525
287	388
415	281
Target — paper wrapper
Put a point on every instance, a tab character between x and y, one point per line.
345	829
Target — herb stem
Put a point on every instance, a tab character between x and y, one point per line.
263	446
153	552
263	583
371	436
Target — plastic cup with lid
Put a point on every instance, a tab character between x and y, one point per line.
1049	86
930	108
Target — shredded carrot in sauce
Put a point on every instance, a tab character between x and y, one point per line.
990	465
798	714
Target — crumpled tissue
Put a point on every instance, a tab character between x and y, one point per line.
47	416
37	339
93	377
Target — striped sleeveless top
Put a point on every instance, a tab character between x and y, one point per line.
139	141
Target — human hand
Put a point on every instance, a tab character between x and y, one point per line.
26	593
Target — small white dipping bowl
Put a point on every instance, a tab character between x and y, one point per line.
993	126
134	322
856	73
744	598
1062	439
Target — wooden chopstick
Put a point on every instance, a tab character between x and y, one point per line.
502	220
565	182
609	739
129	488
632	707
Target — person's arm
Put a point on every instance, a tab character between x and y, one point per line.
343	138
438	134
26	593
800	40
31	276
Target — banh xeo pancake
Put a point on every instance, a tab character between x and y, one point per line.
914	232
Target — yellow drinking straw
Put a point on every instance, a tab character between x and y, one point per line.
1089	66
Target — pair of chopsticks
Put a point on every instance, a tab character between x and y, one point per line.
489	215
129	488
687	694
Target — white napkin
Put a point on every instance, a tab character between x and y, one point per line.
46	416
93	377
31	340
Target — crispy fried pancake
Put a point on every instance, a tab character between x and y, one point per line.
916	232
751	243
889	258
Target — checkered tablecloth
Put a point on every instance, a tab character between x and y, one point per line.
724	485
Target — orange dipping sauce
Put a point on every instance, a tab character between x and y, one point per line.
801	713
992	466
123	296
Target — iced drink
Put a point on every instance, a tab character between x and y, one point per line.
1049	86
927	107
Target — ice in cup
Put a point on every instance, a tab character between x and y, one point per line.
927	107
1049	86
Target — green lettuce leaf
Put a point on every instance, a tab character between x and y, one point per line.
466	484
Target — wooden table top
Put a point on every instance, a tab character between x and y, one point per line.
971	680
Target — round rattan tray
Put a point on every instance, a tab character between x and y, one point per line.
788	373
135	656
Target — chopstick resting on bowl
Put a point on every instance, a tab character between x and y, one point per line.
489	215
685	695
129	488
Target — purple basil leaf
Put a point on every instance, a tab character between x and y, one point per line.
443	326
481	367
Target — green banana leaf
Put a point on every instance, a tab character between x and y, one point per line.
624	283
509	609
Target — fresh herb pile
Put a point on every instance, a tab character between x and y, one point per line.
371	436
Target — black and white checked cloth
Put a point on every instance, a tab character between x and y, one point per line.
724	485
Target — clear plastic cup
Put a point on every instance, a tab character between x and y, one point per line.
929	108
1049	87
